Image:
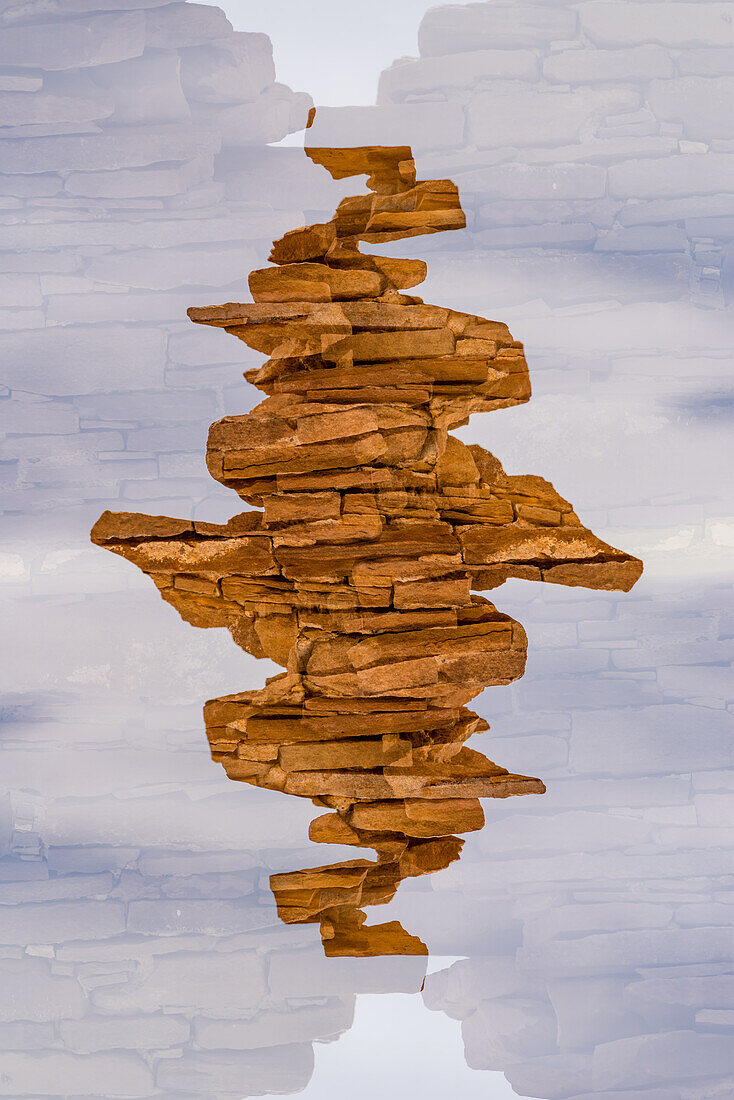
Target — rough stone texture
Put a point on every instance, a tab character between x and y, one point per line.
357	575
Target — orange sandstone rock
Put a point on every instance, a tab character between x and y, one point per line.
372	526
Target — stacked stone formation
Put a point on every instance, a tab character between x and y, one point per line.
376	525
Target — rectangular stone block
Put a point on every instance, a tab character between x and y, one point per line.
112	309
707	213
184	864
74	43
60	888
113	1075
708	914
516	180
108	151
54	922
90	860
59	362
528	755
626	950
105	773
680	25
146	90
222	985
566	921
592	693
211	916
644	238
17	320
146	407
652	656
701	104
707	61
640	793
233	70
166	269
32	993
97	1033
159	233
715	809
420	76
136	182
171	27
20	291
711	682
68	103
16	83
206	822
519	117
575	235
20	417
26	1036
567	661
467	27
589	66
78	446
561	832
656	740
673	1056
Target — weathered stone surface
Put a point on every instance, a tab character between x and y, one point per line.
75	43
32	992
410	76
149	1032
592	66
237	69
700	103
118	1074
528	117
311	282
686	24
376	524
106	151
469	27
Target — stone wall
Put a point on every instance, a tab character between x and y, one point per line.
590	145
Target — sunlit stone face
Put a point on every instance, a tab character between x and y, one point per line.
372	527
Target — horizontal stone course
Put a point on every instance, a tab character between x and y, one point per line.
525	118
76	43
419	76
591	66
281	1069
123	1075
36	922
501	26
